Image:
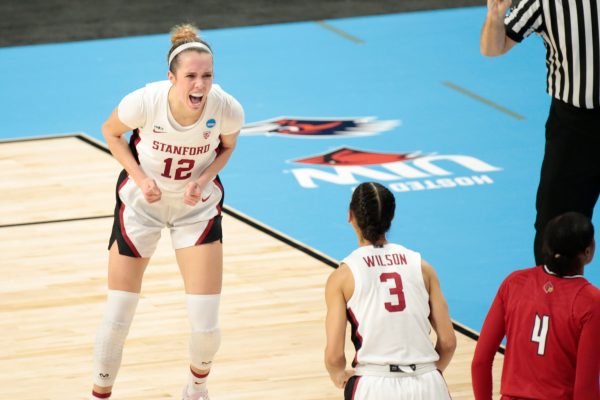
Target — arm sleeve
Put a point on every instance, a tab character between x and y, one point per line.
132	111
491	336
587	373
524	19
233	117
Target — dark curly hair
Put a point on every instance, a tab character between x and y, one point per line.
565	238
373	207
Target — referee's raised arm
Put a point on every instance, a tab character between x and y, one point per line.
570	31
494	41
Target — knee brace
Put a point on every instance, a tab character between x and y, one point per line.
205	340
203	347
120	309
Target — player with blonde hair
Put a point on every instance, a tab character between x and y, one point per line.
184	132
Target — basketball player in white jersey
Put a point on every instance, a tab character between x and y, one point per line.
184	132
391	297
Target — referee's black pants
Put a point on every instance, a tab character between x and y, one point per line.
570	175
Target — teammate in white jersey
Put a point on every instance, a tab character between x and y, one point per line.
391	297
184	132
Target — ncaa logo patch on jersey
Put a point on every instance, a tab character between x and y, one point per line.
346	156
319	127
211	123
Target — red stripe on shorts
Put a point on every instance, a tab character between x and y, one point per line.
206	230
122	223
218	184
124	233
355	386
123	183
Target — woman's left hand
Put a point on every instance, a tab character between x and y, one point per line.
340	379
193	193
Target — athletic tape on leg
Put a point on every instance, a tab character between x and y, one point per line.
108	352
203	347
203	312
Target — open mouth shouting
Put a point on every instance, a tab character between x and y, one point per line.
196	99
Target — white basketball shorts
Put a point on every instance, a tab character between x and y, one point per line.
138	224
430	385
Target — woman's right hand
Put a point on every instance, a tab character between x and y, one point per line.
150	190
497	9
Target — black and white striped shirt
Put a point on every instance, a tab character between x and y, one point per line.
570	29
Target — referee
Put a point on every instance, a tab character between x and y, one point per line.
570	174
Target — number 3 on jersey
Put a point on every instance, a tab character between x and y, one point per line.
395	290
540	332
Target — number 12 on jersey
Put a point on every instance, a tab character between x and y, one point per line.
540	332
183	171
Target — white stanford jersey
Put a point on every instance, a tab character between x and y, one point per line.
169	153
389	308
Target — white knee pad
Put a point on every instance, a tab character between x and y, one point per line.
120	309
205	340
203	347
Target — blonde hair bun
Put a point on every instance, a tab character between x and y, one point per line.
184	33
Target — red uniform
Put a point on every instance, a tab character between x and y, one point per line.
552	326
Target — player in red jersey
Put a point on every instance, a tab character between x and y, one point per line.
550	315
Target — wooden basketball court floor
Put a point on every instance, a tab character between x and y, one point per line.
55	218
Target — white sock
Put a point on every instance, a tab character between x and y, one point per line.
196	382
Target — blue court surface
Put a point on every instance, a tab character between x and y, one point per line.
404	99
